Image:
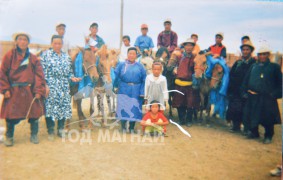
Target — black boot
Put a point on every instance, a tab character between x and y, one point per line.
60	128
189	118
132	127
181	115
10	128
34	131
50	124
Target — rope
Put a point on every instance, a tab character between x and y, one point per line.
31	106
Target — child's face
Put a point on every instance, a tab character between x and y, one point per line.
156	70
154	108
126	42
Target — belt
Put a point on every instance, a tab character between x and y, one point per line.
183	83
20	84
130	84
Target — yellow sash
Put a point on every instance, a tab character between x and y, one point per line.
183	83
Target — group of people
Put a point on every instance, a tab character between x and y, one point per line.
33	87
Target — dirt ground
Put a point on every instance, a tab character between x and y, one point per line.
211	153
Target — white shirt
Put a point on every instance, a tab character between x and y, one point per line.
124	53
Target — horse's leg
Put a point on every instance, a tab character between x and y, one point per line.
103	120
91	111
170	104
208	109
109	104
98	104
80	114
202	106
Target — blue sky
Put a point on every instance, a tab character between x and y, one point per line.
262	20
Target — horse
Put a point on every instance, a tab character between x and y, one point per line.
108	60
90	70
205	84
147	62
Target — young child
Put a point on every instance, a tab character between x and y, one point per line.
156	86
154	122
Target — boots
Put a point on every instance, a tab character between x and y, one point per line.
10	128
189	118
60	128
50	128
182	115
34	131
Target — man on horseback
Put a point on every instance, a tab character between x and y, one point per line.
144	43
61	30
218	49
167	38
94	41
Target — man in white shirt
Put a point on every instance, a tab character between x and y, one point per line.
61	30
124	48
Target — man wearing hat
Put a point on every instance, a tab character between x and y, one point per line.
61	30
196	48
167	38
23	85
93	41
144	43
218	49
186	102
236	76
262	87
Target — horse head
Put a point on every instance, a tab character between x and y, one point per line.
200	65
89	64
147	62
108	60
217	75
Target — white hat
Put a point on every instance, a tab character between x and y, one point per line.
189	40
167	21
264	49
15	35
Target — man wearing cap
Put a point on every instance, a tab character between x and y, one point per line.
218	49
23	85
245	38
61	30
144	43
262	87
236	76
167	38
196	48
186	102
93	41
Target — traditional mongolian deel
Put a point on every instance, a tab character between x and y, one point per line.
58	72
23	77
130	78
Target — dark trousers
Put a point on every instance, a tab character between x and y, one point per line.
269	131
11	123
185	115
50	124
237	121
132	125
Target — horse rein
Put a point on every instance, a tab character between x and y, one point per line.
86	69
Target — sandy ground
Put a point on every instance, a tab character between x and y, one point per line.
211	153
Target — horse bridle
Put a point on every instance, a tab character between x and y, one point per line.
203	70
87	68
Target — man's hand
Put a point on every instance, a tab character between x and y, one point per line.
37	96
47	91
216	56
7	95
74	79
